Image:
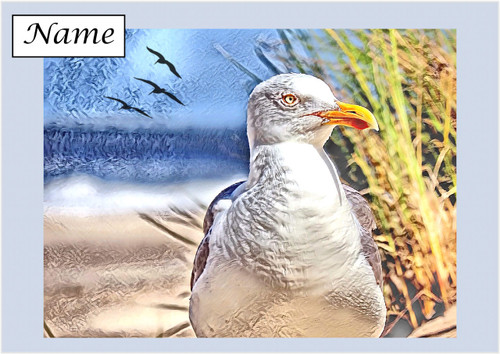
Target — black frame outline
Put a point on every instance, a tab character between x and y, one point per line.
60	56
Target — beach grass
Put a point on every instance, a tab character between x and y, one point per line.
407	78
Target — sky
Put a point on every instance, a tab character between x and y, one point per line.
213	90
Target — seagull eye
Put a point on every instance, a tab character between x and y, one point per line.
289	99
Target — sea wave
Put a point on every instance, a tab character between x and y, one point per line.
144	155
88	195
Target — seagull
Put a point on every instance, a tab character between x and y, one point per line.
162	60
128	107
289	251
158	89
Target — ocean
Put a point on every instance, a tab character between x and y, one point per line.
144	156
111	170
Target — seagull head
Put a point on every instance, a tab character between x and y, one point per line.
299	108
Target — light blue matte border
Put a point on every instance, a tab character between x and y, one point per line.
22	157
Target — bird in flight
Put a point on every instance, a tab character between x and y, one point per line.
162	60
129	107
289	252
158	89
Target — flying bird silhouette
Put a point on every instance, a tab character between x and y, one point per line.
162	60
129	107
158	89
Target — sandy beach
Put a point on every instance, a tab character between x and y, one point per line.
118	274
118	259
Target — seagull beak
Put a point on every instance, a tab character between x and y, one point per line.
350	115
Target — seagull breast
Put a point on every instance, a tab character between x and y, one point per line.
298	228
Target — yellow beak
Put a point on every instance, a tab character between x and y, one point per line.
350	115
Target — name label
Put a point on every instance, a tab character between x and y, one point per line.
35	36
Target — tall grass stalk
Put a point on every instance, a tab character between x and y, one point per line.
408	79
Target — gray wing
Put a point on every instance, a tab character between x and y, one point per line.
149	82
141	112
172	69
160	56
365	217
200	259
171	95
116	99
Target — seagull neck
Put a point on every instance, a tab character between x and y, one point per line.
300	164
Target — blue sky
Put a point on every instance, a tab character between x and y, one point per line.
213	90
